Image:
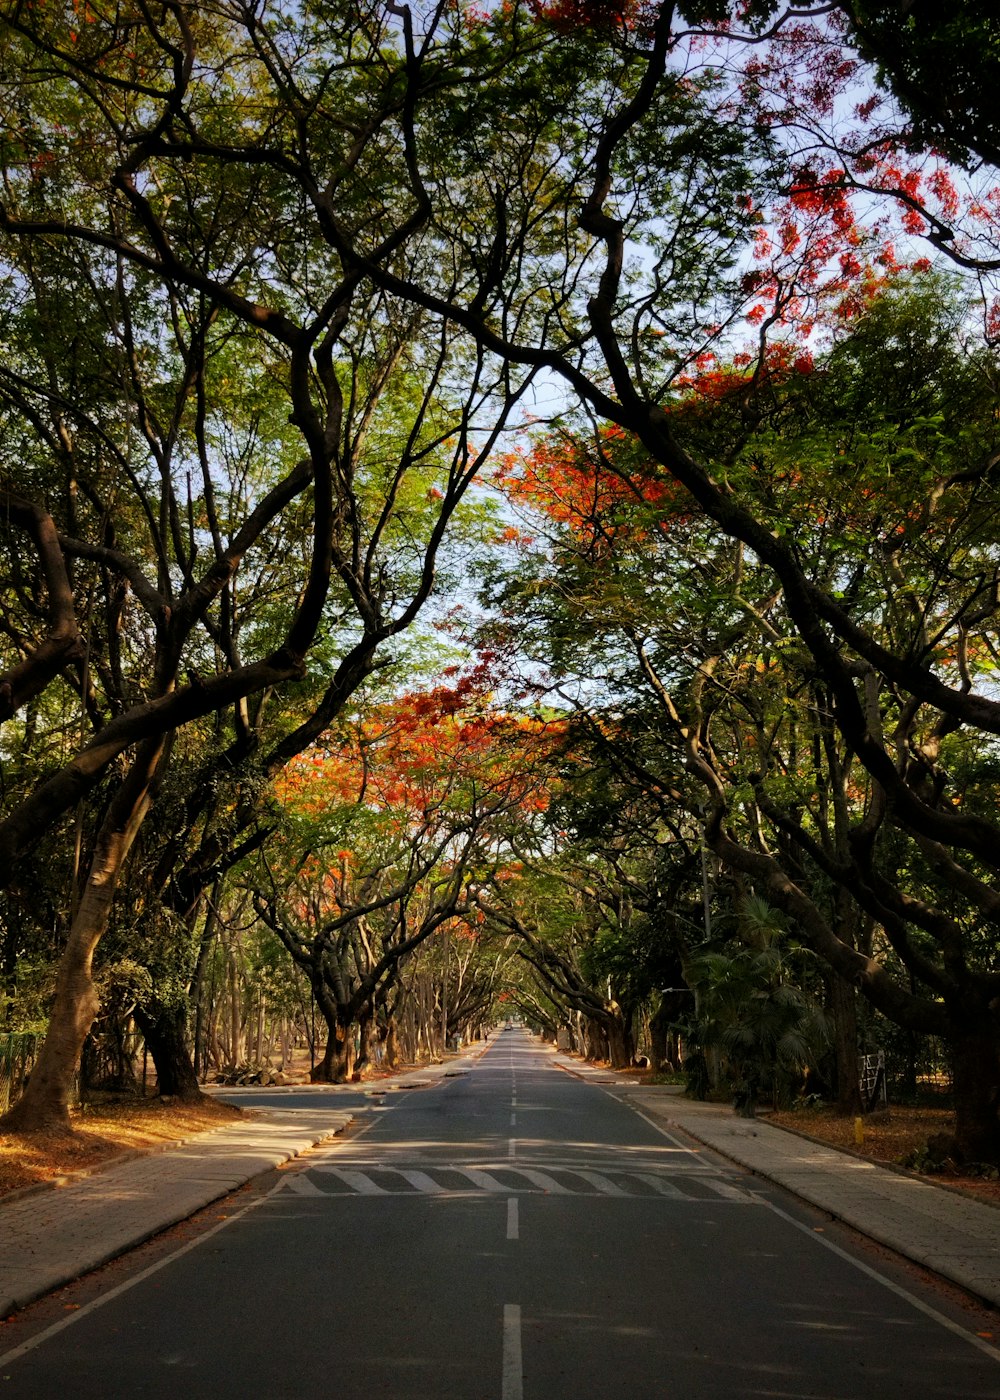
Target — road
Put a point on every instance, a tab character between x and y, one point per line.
512	1233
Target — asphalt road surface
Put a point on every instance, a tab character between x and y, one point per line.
512	1233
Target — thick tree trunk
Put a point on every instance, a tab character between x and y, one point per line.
166	1039
975	1061
595	1040
390	1058
663	1049
338	1058
844	1012
621	1046
367	1029
45	1103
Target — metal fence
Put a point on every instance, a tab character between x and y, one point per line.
871	1082
17	1055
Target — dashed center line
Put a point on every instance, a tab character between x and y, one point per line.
512	1387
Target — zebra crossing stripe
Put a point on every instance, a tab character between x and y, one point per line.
542	1180
728	1193
391	1182
483	1180
420	1181
357	1181
300	1185
606	1187
665	1188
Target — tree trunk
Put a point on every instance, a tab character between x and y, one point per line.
235	1039
975	1061
844	1010
621	1048
166	1038
391	1053
366	1028
659	1038
595	1040
338	1057
44	1105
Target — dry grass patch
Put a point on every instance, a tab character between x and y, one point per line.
101	1132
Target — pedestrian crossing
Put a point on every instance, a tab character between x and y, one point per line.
508	1179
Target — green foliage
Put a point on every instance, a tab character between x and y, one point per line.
942	63
752	1009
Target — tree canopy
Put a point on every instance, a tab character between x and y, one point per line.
291	293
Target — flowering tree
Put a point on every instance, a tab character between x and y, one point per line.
390	830
877	458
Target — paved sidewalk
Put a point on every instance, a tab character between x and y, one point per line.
952	1234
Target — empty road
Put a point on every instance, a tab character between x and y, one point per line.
512	1233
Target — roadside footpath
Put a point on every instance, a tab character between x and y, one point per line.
952	1235
50	1236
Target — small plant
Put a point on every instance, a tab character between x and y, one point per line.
935	1155
806	1101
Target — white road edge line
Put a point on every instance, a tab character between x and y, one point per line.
512	1222
691	1151
512	1387
987	1347
112	1293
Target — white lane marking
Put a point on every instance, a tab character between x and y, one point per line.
606	1187
684	1147
512	1148
41	1337
302	1185
988	1348
113	1293
513	1120
512	1222
946	1322
728	1193
512	1387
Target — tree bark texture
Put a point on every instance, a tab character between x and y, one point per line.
167	1041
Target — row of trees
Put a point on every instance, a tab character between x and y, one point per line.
281	282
